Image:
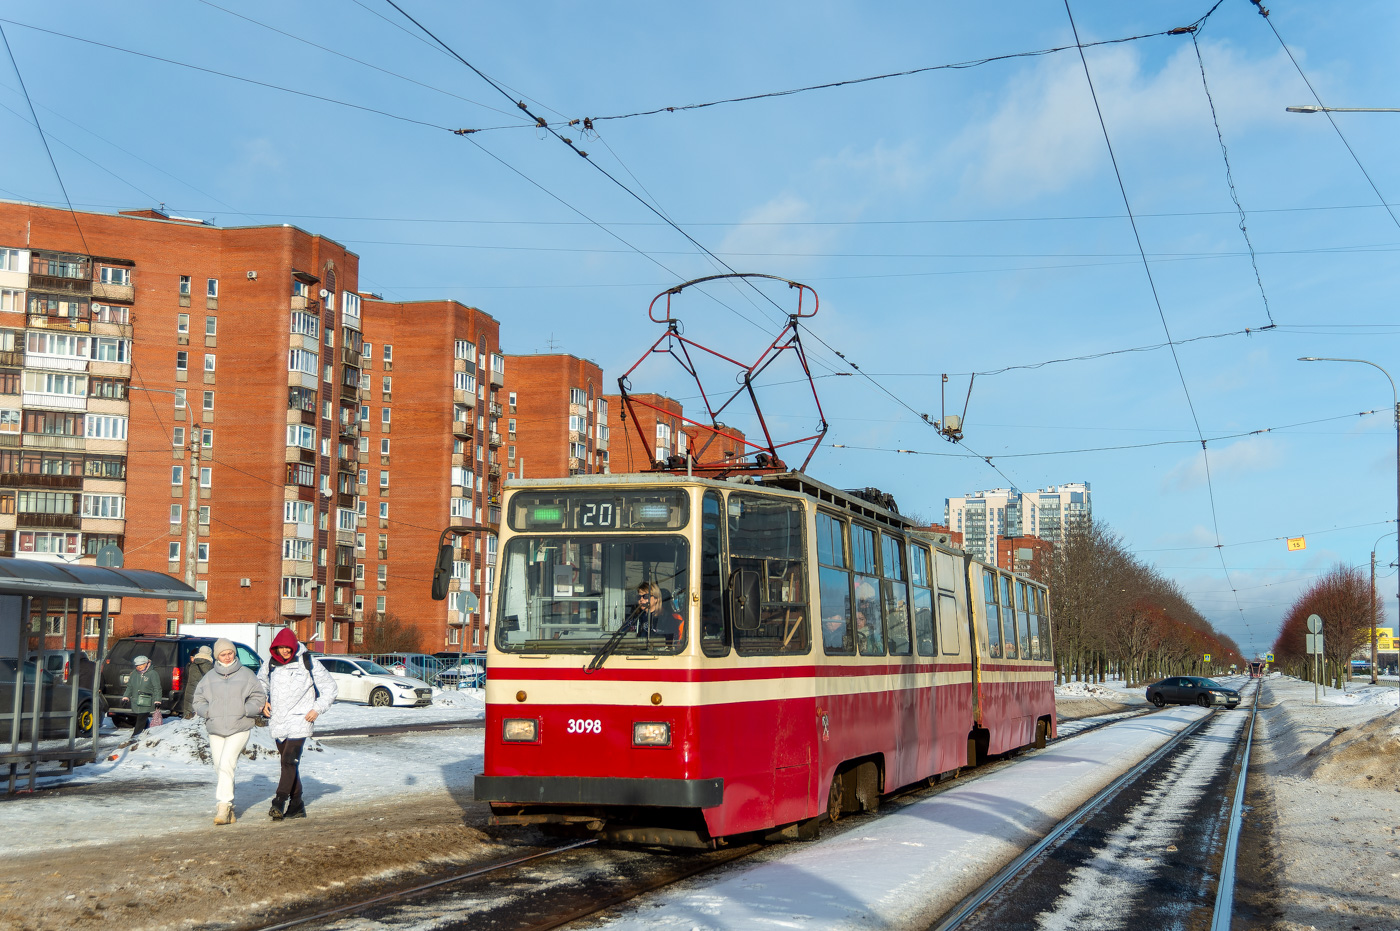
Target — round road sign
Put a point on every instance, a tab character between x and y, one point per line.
1314	624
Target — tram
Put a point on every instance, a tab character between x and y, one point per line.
818	652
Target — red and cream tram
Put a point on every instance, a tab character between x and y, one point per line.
820	652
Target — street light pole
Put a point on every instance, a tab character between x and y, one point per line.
1313	108
1395	406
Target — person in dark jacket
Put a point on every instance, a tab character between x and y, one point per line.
229	700
199	664
142	693
299	690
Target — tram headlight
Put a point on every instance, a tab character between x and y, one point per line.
521	730
651	734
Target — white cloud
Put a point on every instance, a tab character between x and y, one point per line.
1045	133
767	230
1247	456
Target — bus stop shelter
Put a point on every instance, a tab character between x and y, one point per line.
32	589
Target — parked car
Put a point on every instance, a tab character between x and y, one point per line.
55	709
415	665
470	673
1186	690
169	656
366	681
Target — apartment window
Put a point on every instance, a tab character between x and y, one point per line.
114	275
300	288
202	552
208	400
184	285
301	435
383	572
364	477
299	360
464	381
208	362
179	399
369	351
56	383
177	475
383	478
298	512
297	587
388	353
360	542
112	350
105	427
379	604
173	549
384	415
301	473
367	381
388	384
212	288
463	349
206	438
114	389
510	452
206	477
461	507
211	326
384	510
176	514
364	413
182	323
204	515
182	361
109	507
305	324
510	425
177	437
577	396
351	308
297	550
383	447
10	260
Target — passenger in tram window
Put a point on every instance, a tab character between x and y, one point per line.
993	618
656	618
869	637
836	634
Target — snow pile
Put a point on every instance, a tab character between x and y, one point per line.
1365	695
473	700
1087	690
1365	756
182	741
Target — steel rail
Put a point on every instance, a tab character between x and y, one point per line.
964	909
405	893
1225	889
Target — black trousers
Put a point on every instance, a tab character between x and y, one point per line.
289	785
142	721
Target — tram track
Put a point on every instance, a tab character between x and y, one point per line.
1150	845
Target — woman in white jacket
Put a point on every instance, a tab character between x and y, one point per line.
299	690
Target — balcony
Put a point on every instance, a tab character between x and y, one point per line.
494	469
54	441
350	356
50	521
33	480
60	285
298	302
296	607
495	439
55	402
495	409
345	573
12	357
44	321
113	292
498	378
350	431
348	465
463	429
463	397
344	537
345	500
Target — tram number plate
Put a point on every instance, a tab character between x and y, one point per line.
585	726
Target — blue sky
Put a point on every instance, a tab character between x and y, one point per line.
952	221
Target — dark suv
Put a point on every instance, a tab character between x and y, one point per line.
169	656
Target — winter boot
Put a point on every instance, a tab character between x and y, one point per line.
296	808
278	806
225	814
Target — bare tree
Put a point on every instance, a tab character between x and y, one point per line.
387	633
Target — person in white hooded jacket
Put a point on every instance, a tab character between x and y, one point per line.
299	690
229	698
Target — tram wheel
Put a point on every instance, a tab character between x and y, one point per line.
835	798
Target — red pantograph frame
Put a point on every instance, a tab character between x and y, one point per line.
765	457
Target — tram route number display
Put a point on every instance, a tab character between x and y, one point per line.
594	512
584	726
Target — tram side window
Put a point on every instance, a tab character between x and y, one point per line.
1043	623
1008	617
768	592
834	586
894	594
1023	603
870	635
992	613
922	584
949	619
714	632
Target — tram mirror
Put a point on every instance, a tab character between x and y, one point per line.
745	591
442	572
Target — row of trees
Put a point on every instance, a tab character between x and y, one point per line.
1347	606
1115	614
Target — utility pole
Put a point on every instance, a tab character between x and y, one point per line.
192	518
1373	617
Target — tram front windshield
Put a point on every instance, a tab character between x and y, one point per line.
566	594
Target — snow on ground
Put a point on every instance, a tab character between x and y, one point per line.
167	778
911	865
1333	810
1087	690
465	705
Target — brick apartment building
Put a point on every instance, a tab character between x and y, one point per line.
556	417
430	413
232	463
1027	555
659	418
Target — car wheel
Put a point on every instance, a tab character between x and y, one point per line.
85	719
1158	700
380	698
1203	700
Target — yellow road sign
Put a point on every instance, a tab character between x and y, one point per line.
1207	657
1297	543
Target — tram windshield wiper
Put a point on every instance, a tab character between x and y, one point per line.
613	642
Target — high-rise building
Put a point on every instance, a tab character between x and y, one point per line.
430	457
983	516
557	418
232	462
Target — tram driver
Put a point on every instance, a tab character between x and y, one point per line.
654	618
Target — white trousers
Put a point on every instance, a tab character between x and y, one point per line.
225	751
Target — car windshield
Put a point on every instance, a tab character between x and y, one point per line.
1211	684
372	667
562	594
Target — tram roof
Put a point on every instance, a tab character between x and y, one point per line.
783	481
